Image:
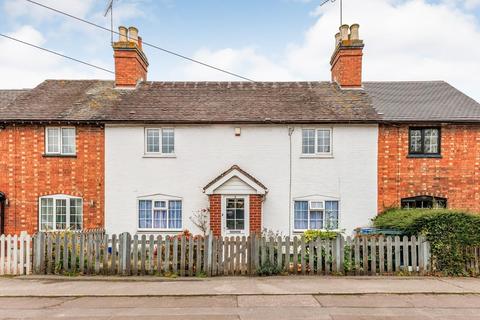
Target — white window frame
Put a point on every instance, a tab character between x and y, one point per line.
153	200
160	153
317	153
323	209
60	141
67	212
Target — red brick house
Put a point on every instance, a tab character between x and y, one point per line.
51	158
428	146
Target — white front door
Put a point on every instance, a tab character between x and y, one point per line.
235	215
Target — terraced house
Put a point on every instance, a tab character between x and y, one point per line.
144	156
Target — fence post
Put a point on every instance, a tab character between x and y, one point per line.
340	254
210	254
39	253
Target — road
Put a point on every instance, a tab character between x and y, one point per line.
378	306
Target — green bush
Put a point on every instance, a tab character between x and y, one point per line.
449	233
268	269
312	235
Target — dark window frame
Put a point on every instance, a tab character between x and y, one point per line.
420	199
422	153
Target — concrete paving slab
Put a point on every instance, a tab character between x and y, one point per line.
365	301
152	302
444	301
277	301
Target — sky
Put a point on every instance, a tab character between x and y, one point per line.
265	40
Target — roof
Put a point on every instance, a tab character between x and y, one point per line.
193	102
422	101
231	172
63	100
8	96
238	102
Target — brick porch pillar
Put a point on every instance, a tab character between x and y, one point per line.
255	213
216	214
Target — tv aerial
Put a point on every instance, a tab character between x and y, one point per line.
324	2
108	9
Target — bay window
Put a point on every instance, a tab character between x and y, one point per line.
315	215
159	214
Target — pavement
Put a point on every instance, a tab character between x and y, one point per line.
289	297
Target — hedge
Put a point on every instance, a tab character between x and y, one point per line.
448	231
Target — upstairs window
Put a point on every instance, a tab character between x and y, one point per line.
61	212
60	141
424	141
315	215
317	141
159	214
159	141
424	202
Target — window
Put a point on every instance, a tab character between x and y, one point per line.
424	202
61	212
60	141
160	214
235	219
424	141
316	141
310	215
160	141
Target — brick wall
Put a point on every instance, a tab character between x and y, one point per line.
26	175
347	67
216	214
455	176
255	213
129	68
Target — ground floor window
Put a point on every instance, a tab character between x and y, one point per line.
424	202
61	212
160	214
316	215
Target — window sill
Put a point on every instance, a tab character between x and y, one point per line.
434	156
159	156
323	230
316	156
159	230
47	155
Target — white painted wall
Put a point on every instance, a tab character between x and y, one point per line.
203	152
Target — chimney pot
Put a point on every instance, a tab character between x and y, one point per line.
123	34
337	39
344	32
354	34
133	35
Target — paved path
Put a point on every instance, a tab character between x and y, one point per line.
240	298
155	286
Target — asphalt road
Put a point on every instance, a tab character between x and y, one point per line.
264	307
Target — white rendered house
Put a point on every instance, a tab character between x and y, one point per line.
285	157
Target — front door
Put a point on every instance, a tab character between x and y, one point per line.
235	215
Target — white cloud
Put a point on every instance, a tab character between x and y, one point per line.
26	66
404	40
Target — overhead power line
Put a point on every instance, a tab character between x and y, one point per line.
56	53
143	42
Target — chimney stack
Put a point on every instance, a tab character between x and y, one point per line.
131	63
347	58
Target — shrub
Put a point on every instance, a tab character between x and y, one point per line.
268	269
449	233
312	235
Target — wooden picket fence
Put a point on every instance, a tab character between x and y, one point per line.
15	255
101	254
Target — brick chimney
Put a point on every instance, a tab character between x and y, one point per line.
131	63
346	61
